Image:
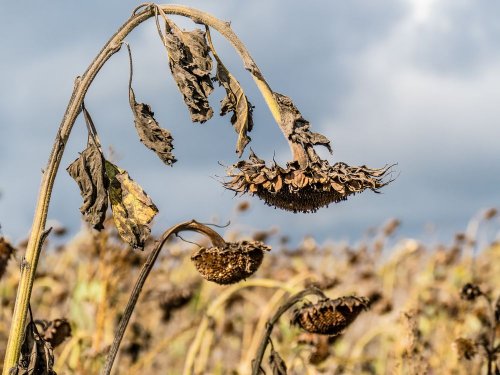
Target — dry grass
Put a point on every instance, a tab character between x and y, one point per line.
415	318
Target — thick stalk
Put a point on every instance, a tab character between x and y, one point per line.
81	86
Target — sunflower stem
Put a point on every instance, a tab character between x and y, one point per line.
266	338
82	84
193	226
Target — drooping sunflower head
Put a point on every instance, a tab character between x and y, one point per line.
229	264
329	317
303	189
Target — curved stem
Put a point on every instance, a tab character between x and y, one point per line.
143	275
81	86
270	324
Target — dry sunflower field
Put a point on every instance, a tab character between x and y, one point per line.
418	319
117	299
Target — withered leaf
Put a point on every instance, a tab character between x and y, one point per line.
320	139
297	128
36	356
132	208
191	64
277	363
89	173
151	134
55	331
235	101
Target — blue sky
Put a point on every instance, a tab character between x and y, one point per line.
413	82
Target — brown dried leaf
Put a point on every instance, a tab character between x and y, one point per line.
235	101
297	128
151	134
277	363
55	331
36	356
190	63
132	208
89	173
320	139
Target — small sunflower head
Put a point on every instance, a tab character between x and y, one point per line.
470	292
329	317
229	264
302	189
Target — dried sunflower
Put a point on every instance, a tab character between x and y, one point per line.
308	182
302	189
229	264
329	317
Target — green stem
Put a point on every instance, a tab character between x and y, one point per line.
81	86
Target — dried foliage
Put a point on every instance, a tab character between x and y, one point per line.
300	189
88	171
277	363
37	356
132	208
297	129
235	101
6	252
235	262
76	282
55	331
100	180
190	64
329	317
487	337
150	133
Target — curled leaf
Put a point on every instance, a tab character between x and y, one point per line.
36	355
235	101
151	134
89	173
55	331
297	128
190	63
132	208
278	365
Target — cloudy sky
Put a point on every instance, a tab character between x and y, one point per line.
413	82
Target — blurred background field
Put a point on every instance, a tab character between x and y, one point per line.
417	323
